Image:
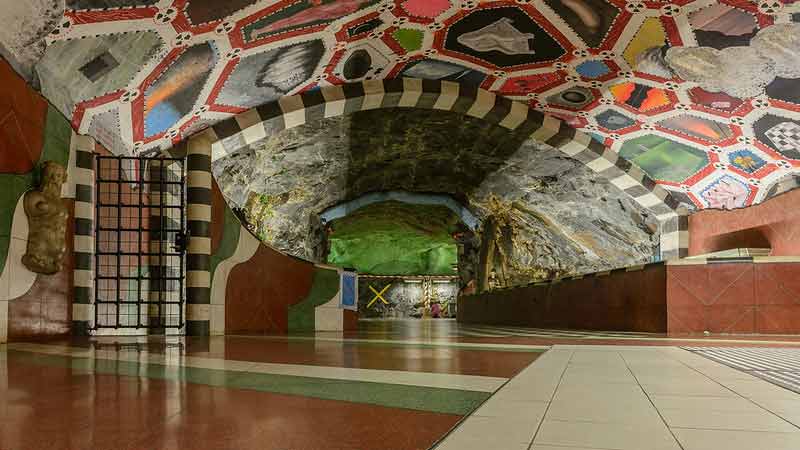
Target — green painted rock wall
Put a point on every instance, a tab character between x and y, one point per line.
393	238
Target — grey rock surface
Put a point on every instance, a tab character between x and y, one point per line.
557	217
25	26
554	215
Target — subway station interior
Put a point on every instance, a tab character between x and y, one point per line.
400	224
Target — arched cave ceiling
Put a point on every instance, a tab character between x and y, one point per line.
703	95
552	214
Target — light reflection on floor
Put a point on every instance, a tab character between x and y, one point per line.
398	384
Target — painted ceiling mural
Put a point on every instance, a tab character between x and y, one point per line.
703	95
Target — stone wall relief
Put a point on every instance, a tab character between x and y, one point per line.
47	222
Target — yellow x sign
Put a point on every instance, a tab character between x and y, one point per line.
378	295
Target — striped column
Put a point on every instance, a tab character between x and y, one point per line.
675	235
83	239
198	215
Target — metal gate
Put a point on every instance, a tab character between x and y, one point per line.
140	243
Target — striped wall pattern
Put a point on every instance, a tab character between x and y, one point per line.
780	366
83	176
331	101
198	215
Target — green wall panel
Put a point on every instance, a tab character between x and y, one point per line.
230	240
324	286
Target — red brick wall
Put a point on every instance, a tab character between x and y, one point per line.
774	223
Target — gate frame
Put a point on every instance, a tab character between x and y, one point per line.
84	306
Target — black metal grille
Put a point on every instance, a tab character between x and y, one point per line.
139	254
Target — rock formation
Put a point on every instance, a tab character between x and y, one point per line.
551	215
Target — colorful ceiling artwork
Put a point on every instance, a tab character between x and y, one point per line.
703	95
173	95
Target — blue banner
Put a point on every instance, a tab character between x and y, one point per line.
349	291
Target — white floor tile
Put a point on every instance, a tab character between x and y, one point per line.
496	429
758	420
582	375
512	409
704	403
787	409
757	389
621	413
551	447
606	436
596	403
701	387
469	442
692	439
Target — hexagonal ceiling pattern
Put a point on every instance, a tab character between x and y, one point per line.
703	95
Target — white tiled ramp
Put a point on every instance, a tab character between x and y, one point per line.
780	366
632	398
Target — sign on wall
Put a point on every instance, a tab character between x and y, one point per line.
349	290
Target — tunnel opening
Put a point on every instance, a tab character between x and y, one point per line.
407	256
538	213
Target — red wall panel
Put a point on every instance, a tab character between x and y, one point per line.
260	291
730	297
622	300
762	298
22	119
775	223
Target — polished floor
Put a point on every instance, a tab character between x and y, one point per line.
397	385
582	397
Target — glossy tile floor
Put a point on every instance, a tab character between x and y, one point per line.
392	385
632	398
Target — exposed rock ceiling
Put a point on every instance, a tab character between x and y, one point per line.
703	95
551	215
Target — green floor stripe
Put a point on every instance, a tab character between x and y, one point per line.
420	398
